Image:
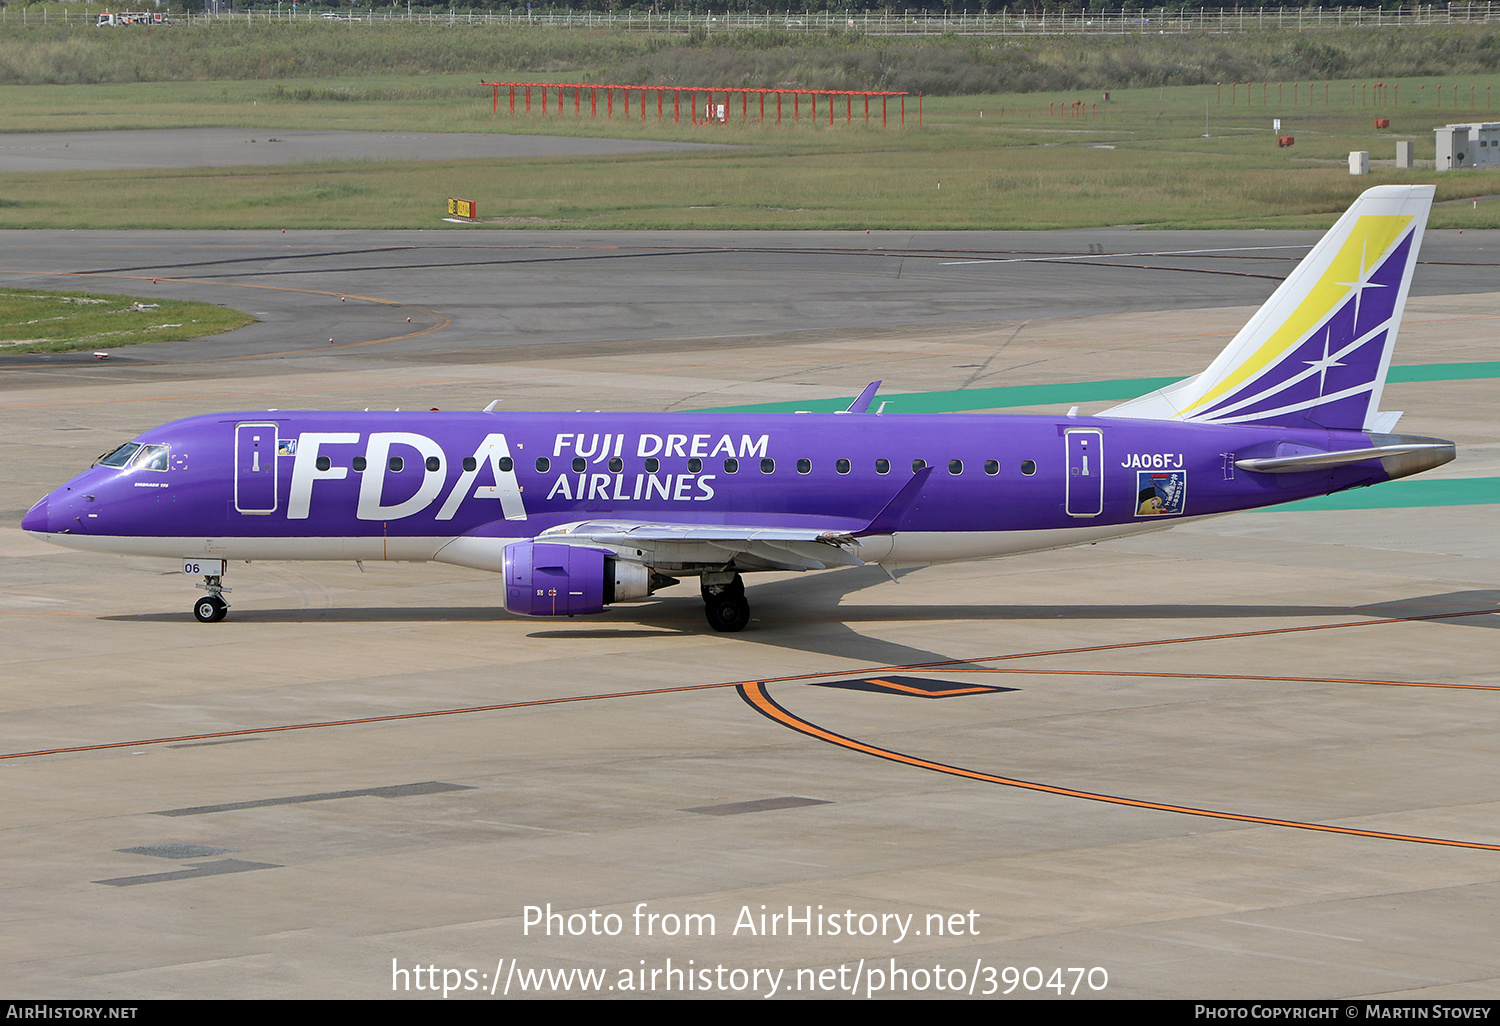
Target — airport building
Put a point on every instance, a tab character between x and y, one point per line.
1473	145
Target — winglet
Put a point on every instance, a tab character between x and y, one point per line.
862	403
888	519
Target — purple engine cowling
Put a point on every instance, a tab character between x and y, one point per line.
548	579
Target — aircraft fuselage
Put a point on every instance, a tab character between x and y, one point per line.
400	485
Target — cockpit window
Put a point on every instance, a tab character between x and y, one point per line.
119	458
152	457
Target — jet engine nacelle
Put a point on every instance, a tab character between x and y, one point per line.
548	579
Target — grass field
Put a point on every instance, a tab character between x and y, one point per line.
46	322
1164	156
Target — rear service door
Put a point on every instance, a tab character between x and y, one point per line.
1085	485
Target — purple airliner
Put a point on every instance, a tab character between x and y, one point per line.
583	510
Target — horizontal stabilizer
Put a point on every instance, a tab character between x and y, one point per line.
1308	462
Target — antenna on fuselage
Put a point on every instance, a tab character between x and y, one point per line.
491	407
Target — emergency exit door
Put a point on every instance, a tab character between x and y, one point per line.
1085	483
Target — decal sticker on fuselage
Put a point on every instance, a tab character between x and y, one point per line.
1160	493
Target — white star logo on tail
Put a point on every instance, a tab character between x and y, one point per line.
1322	366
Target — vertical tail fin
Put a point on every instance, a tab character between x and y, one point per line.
1316	354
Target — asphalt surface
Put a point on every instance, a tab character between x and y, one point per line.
501	293
1247	757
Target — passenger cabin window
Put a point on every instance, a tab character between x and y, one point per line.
652	464
882	466
396	464
358	463
471	464
768	466
843	466
324	463
579	464
731	466
543	464
955	467
433	463
616	464
917	465
506	464
992	467
695	466
804	466
1028	467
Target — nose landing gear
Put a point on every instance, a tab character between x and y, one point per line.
211	608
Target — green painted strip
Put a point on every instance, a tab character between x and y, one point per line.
1408	494
964	400
1445	371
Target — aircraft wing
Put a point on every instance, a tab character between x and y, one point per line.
748	547
685	545
814	544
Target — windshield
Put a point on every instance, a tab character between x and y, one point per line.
120	457
137	457
151	457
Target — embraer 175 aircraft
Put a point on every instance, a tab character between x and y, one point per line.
582	510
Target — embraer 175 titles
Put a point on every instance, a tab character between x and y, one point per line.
579	511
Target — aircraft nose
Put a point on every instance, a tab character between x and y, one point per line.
36	517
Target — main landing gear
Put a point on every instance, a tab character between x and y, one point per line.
724	602
211	608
